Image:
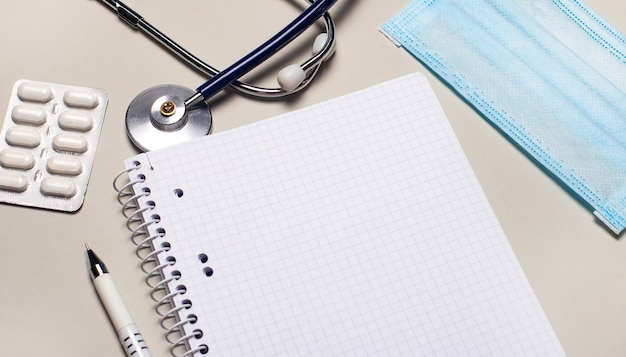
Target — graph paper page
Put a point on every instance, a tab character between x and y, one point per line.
354	227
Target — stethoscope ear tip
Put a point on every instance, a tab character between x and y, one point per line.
290	77
158	117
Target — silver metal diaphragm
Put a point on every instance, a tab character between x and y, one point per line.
158	117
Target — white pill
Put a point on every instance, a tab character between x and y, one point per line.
13	181
34	92
64	165
80	121
290	77
17	159
28	114
81	99
20	136
59	187
70	143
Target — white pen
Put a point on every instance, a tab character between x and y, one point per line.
127	331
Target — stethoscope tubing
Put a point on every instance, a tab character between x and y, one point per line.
250	61
310	66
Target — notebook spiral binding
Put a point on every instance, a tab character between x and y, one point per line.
142	220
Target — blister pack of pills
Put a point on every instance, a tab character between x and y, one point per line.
48	144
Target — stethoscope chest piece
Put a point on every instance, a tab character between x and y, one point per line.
158	117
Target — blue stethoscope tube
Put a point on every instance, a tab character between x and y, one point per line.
224	78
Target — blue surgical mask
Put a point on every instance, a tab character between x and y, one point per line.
550	74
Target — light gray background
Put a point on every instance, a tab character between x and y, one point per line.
47	303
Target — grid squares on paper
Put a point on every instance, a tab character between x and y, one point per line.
352	227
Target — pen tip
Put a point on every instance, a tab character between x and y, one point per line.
87	246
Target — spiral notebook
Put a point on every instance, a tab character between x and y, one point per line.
353	227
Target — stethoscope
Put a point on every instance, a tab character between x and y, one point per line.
168	114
